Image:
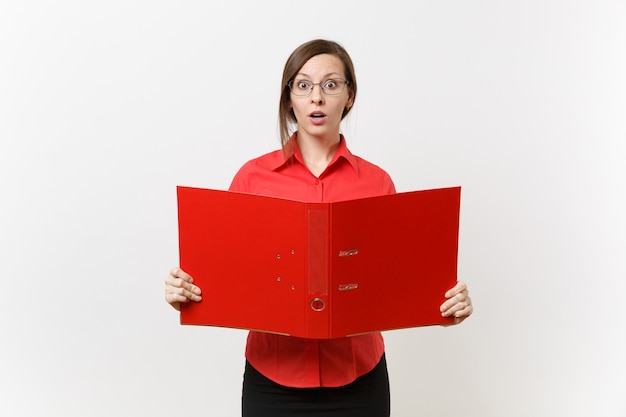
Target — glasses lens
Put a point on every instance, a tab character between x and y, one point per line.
333	87
301	87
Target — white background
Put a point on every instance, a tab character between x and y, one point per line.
106	106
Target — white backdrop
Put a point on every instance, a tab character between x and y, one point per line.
106	106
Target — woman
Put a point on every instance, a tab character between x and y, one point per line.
290	376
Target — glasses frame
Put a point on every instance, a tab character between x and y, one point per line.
345	83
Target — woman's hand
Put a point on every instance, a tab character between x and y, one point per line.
459	304
179	288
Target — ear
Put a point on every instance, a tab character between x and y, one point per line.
350	101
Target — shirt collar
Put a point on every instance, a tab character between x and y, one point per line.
291	152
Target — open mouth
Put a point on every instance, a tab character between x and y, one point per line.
317	115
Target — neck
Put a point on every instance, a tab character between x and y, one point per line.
317	152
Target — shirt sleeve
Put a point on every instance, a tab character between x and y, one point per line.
241	181
389	186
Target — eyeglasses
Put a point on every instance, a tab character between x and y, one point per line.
330	87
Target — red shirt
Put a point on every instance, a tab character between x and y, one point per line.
294	361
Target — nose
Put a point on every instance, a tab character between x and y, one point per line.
317	96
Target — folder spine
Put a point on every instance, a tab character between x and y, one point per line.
318	269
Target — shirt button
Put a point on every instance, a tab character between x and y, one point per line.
317	182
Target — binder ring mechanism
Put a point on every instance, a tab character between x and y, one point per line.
348	252
318	304
348	287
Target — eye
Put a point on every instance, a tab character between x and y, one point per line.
303	85
331	85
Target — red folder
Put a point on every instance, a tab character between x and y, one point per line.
318	270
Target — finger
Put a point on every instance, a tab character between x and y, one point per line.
174	282
181	295
456	299
464	308
175	298
192	293
459	287
461	308
176	272
464	313
191	288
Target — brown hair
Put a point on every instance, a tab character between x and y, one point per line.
294	63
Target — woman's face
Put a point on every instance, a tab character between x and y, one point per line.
319	114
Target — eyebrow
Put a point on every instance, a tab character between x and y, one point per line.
330	74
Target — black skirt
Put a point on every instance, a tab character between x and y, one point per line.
367	396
